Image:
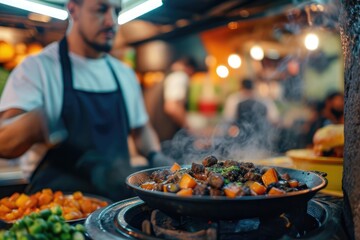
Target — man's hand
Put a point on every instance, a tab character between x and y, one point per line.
158	159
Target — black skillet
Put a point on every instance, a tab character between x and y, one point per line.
224	208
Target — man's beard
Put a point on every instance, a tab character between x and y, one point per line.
98	47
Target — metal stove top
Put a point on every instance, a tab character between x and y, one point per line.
111	223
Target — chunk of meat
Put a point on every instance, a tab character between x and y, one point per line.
209	161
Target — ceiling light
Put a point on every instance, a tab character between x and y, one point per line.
234	61
311	41
147	6
222	71
37	8
257	53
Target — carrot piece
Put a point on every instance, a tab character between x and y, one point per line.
293	183
14	197
185	192
4	209
148	185
270	176
164	188
21	201
232	191
258	188
175	167
187	181
276	191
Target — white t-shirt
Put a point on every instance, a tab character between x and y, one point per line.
175	86
37	82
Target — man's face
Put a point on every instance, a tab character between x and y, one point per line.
97	22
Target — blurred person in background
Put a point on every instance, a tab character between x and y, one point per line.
80	105
167	102
250	119
330	111
247	91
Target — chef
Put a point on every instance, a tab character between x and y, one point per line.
80	104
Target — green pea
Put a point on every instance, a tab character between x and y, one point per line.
66	228
28	221
35	228
65	236
80	227
56	210
53	218
78	236
56	227
21	233
40	236
41	222
45	213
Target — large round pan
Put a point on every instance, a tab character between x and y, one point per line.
225	208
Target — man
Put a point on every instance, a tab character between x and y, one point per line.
246	91
167	100
75	87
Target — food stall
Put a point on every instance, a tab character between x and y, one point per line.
266	39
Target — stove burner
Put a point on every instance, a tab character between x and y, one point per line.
133	219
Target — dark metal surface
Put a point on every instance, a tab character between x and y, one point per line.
225	208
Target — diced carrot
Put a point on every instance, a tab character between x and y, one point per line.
44	198
175	167
185	192
258	188
232	191
47	191
276	191
164	188
5	201
4	209
77	195
293	183
148	185
21	201
187	181
14	197
270	176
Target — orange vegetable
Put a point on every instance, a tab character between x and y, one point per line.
148	185
14	197
187	181
175	167
22	200
77	195
270	176
232	191
4	209
74	206
276	191
164	188
185	192
258	188
293	183
6	202
44	198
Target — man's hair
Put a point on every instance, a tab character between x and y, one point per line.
188	61
247	84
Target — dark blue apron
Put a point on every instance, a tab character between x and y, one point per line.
95	157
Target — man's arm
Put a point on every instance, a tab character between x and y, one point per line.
19	130
176	110
147	144
146	140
